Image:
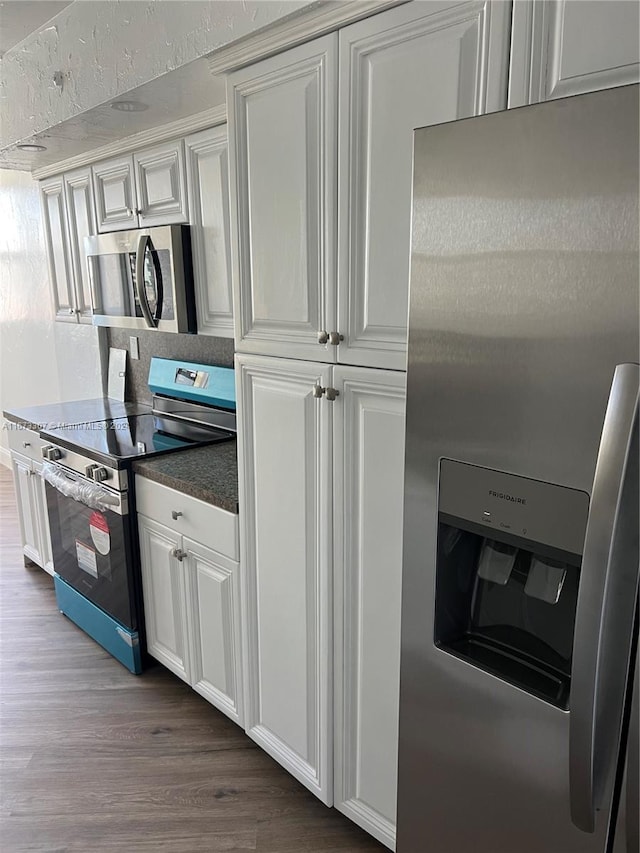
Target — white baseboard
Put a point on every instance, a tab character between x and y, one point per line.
5	457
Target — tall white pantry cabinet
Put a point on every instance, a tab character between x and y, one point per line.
320	170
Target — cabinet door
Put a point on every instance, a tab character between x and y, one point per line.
56	238
284	462
24	479
369	464
42	516
282	140
561	48
213	608
114	192
81	218
161	185
163	587
416	65
208	190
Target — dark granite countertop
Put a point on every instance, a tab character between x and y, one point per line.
53	415
209	473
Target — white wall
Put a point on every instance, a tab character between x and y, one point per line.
41	361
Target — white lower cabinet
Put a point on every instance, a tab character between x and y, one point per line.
321	492
163	585
368	428
284	451
191	599
30	497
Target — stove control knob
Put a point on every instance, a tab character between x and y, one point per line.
88	471
99	474
52	453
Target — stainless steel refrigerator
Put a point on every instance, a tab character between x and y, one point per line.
520	570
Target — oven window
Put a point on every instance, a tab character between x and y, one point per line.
92	551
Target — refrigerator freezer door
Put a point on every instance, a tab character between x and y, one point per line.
524	298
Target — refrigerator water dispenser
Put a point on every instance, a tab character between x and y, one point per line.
508	569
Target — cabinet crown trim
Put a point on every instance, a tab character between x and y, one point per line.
321	19
144	139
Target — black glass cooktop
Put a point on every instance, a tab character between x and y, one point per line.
117	441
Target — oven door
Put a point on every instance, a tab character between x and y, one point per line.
142	279
91	541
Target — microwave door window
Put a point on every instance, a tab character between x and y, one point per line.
153	282
158	279
113	286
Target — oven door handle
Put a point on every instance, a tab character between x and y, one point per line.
144	244
83	491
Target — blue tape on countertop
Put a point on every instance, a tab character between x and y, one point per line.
220	388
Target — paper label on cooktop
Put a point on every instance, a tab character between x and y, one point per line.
87	559
99	530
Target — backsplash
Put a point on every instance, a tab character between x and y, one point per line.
202	348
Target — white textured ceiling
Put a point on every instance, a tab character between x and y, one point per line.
20	18
184	92
56	86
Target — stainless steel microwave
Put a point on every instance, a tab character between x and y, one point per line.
142	279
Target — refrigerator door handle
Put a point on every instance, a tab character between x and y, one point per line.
633	768
606	603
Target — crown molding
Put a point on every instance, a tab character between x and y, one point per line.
322	18
143	139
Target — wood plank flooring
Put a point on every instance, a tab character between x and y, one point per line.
95	759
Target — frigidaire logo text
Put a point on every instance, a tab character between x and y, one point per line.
505	497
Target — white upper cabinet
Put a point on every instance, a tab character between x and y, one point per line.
161	185
569	47
412	66
57	242
282	141
418	64
208	182
82	223
141	190
114	187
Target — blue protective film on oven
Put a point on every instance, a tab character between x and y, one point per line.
186	380
119	641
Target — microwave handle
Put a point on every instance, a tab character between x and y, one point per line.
603	636
144	242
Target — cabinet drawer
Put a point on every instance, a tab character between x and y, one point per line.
214	527
24	441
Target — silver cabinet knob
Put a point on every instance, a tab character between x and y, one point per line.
175	514
179	554
71	311
318	391
332	394
335	338
323	337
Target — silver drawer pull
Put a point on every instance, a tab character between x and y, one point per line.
26	444
175	514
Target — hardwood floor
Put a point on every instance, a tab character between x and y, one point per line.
95	759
